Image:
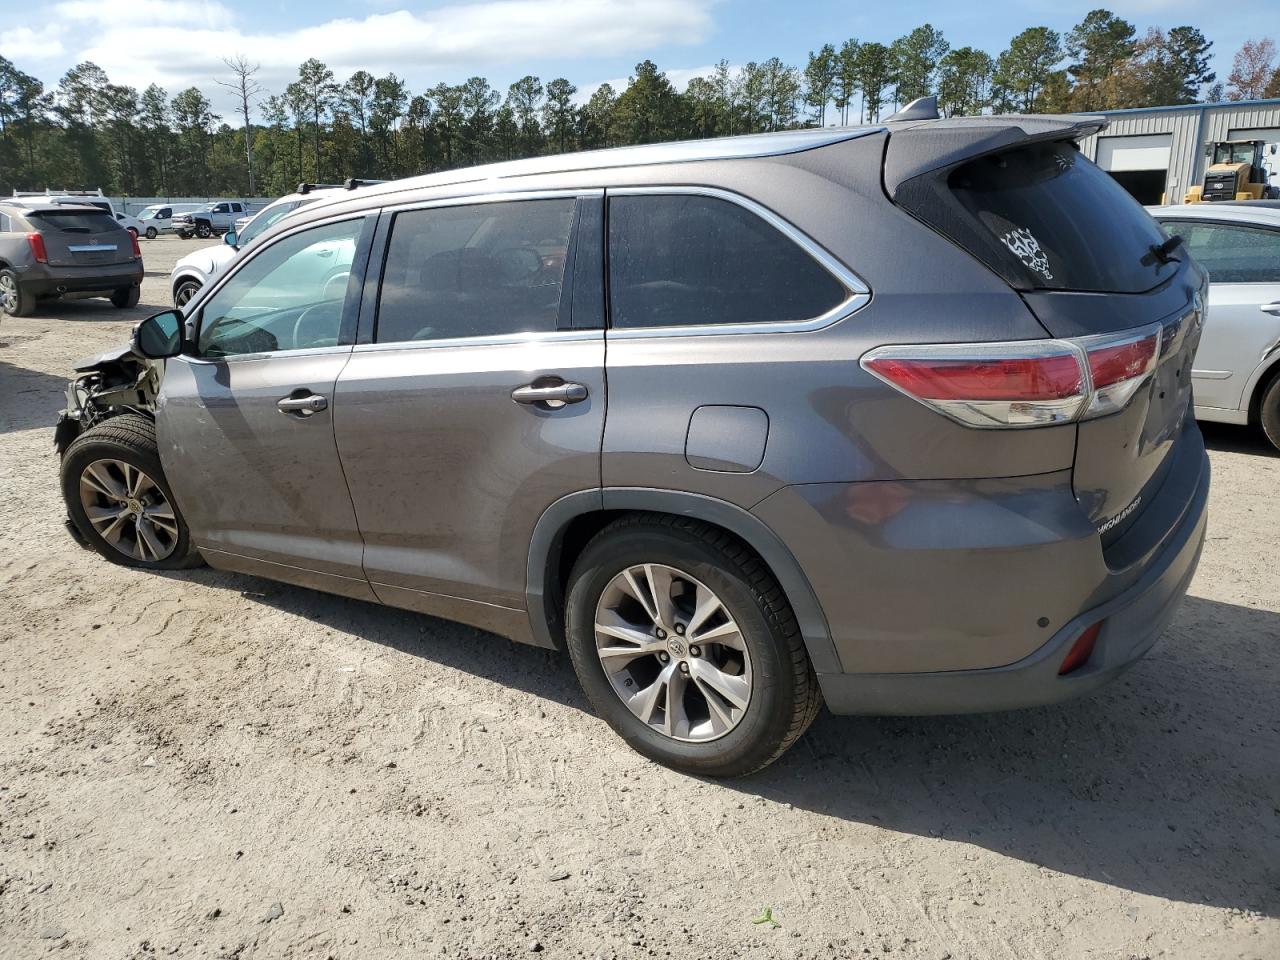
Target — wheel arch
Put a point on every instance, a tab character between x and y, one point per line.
179	278
1267	370
565	527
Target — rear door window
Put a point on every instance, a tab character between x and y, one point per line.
1044	217
1230	252
688	260
477	270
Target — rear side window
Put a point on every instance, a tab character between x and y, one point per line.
687	260
1043	217
5	225
1231	253
73	221
478	270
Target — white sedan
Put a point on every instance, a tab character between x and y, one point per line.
1236	376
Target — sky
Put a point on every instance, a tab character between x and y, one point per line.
179	43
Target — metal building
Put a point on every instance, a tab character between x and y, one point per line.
1158	152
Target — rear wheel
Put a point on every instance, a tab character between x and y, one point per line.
1269	411
126	297
13	299
117	496
152	233
184	291
686	646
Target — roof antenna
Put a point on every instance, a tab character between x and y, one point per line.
921	108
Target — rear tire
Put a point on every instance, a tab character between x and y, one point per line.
113	472
152	233
758	659
126	297
14	301
1269	411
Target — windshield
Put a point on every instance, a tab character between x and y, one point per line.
267	217
1234	153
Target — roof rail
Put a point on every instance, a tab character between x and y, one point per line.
351	183
305	188
46	192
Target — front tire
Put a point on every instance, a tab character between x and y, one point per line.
686	646
14	301
152	233
1269	411
126	297
204	231
184	291
117	496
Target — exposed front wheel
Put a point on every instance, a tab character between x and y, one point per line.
126	297
686	646
204	231
152	233
117	496
14	301
185	290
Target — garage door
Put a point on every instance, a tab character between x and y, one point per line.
1151	152
1266	134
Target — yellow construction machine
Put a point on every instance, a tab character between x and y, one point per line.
1240	170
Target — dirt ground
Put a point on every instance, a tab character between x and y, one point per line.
208	765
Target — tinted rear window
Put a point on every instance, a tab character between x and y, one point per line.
1044	217
74	221
683	260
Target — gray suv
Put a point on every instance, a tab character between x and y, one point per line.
52	250
894	417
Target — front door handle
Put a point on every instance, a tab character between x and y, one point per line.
1272	308
552	395
305	406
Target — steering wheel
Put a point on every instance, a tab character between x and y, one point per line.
325	316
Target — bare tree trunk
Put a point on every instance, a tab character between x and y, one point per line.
246	88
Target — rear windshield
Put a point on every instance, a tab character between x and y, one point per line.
1045	217
73	221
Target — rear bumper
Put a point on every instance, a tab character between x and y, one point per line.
44	280
1133	619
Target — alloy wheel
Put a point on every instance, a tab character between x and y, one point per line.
673	652
8	293
128	510
185	293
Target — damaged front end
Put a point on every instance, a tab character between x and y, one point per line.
111	383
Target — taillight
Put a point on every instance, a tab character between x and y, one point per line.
137	250
36	243
1021	383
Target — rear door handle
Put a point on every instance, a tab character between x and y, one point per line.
305	406
553	395
1272	308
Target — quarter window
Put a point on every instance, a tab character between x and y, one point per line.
289	297
476	270
1232	254
688	260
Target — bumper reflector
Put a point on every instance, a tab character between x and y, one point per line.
1081	650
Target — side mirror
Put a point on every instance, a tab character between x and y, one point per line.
229	238
159	336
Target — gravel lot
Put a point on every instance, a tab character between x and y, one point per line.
207	765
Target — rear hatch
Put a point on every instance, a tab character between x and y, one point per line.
82	238
1088	261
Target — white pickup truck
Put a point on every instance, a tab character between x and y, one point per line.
217	217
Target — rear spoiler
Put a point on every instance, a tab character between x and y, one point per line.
918	148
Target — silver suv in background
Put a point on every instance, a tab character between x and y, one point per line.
212	218
897	416
50	249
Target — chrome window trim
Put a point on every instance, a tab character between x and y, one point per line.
488	340
272	355
859	292
470	199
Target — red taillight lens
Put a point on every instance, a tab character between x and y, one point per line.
1081	650
1021	383
137	250
36	242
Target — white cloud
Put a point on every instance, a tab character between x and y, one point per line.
31	43
178	43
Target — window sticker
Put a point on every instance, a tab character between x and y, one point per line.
1027	249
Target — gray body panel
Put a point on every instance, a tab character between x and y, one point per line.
891	529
